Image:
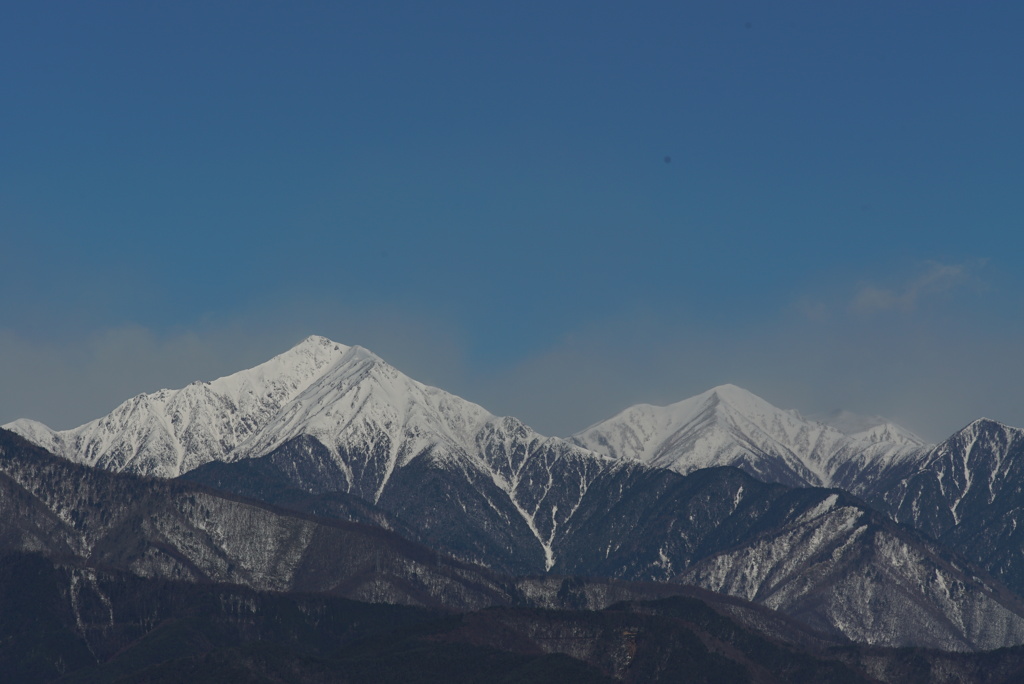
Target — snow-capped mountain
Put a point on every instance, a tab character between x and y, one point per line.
325	418
373	419
339	418
345	397
728	425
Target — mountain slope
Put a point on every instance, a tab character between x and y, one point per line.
797	550
818	555
501	506
178	530
72	624
729	426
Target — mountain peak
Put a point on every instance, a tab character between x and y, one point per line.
728	400
314	345
871	428
985	426
734	396
306	360
320	354
314	341
728	391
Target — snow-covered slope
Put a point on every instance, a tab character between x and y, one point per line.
728	425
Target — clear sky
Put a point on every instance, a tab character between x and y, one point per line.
553	209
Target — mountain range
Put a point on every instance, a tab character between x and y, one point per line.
854	527
348	399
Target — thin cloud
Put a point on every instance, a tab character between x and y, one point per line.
938	278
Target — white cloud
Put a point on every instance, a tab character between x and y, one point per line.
936	279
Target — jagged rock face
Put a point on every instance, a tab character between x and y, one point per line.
730	426
647	524
331	418
817	555
369	420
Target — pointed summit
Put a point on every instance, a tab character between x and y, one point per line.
315	345
744	401
316	340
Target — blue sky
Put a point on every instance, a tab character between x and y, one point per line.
553	209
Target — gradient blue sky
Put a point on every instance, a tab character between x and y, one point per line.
553	209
